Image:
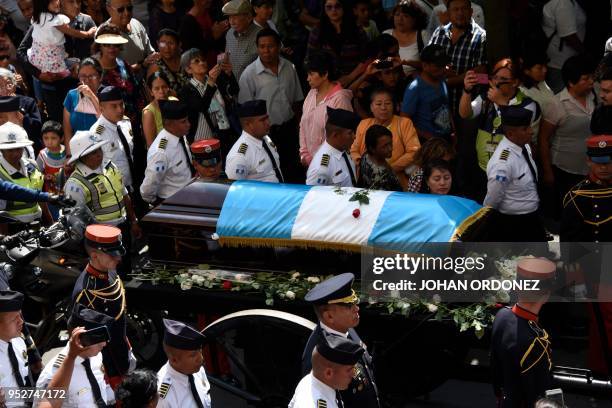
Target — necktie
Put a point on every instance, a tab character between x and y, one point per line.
194	391
15	365
531	169
339	399
279	175
350	168
184	147
93	383
126	149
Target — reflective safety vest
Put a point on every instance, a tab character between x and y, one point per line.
34	180
103	192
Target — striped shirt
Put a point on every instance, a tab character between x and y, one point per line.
468	52
242	48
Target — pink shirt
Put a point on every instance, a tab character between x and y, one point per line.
314	116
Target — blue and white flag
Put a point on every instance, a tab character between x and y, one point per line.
269	214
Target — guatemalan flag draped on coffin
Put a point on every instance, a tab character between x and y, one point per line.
269	214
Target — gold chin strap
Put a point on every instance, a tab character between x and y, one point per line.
544	342
352	298
111	293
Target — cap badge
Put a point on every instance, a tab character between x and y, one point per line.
208	149
93	138
12	137
602	144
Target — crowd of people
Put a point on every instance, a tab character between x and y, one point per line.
117	105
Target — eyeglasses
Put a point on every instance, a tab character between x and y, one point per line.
336	6
92	77
4	57
121	9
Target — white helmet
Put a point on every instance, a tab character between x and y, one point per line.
84	142
13	136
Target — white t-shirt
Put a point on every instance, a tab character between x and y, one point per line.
434	22
44	32
411	52
563	18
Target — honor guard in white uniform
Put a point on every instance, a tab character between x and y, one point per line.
16	168
512	182
86	387
169	166
115	128
13	350
182	380
332	164
254	156
333	363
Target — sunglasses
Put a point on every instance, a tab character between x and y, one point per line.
4	57
121	9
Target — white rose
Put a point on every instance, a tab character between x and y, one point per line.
432	308
186	284
295	275
313	279
436	298
184	275
290	295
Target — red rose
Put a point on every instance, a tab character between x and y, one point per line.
227	285
356	213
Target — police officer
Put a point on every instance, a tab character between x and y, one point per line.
512	182
78	369
254	155
206	154
116	129
332	164
335	304
521	357
333	364
11	111
19	170
13	350
100	288
182	380
169	165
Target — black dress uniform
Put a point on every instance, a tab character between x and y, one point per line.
521	357
103	292
362	391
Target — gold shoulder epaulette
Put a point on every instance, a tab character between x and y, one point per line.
325	160
163	143
243	148
504	154
100	129
321	403
163	390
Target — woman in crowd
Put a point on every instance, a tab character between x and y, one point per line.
339	34
432	150
138	390
533	85
199	30
405	139
502	89
263	10
159	88
324	91
374	171
96	9
81	106
117	72
164	14
170	60
409	28
207	113
438	178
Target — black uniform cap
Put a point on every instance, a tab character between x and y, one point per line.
339	350
181	336
338	289
10	301
515	116
109	93
255	107
343	118
88	318
173	110
9	103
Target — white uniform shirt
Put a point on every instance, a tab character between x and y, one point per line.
7	379
174	390
562	18
79	393
328	168
312	393
23	170
511	188
248	159
113	150
167	167
75	191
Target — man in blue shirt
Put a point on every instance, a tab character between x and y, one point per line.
14	192
426	100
